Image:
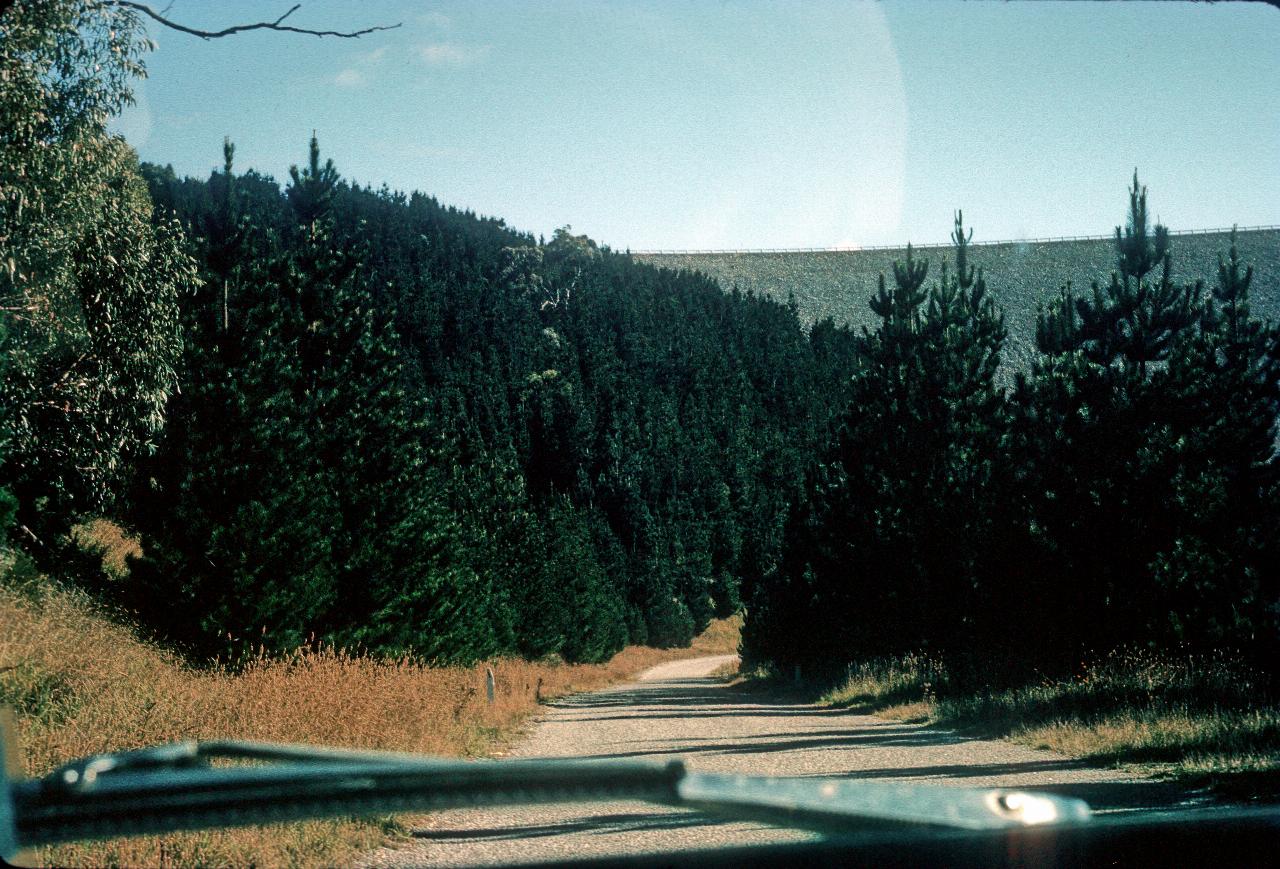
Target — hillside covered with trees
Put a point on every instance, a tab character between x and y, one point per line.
407	427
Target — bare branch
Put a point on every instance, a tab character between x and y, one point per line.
241	28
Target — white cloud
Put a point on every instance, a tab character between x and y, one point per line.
364	65
452	54
373	56
350	78
435	19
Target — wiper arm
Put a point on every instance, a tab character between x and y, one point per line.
173	787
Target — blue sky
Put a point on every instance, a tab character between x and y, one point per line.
746	124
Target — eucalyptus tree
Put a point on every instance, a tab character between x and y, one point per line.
88	282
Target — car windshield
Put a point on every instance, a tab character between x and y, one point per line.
508	432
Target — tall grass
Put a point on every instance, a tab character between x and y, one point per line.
886	683
82	682
1197	719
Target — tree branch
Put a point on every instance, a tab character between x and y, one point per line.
241	28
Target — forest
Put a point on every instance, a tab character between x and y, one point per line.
338	415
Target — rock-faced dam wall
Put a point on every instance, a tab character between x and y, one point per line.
1020	275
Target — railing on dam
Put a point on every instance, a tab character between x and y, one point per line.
873	247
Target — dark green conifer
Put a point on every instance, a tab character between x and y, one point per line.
1134	319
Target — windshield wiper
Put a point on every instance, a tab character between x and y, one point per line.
174	787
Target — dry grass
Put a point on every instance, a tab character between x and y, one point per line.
83	683
887	683
1235	751
1201	721
108	540
919	712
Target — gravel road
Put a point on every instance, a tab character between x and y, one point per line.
676	710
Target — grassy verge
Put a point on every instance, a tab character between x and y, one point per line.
727	672
82	682
1197	721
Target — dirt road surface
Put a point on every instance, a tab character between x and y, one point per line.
677	710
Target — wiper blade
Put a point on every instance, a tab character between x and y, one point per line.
174	787
823	801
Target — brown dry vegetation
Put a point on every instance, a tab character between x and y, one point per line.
83	682
1202	721
109	541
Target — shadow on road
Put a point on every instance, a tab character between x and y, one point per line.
699	696
693	700
836	740
625	822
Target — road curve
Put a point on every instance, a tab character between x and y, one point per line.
677	710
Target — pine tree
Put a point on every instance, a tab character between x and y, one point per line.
600	438
1134	320
300	495
1146	455
1217	572
884	545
